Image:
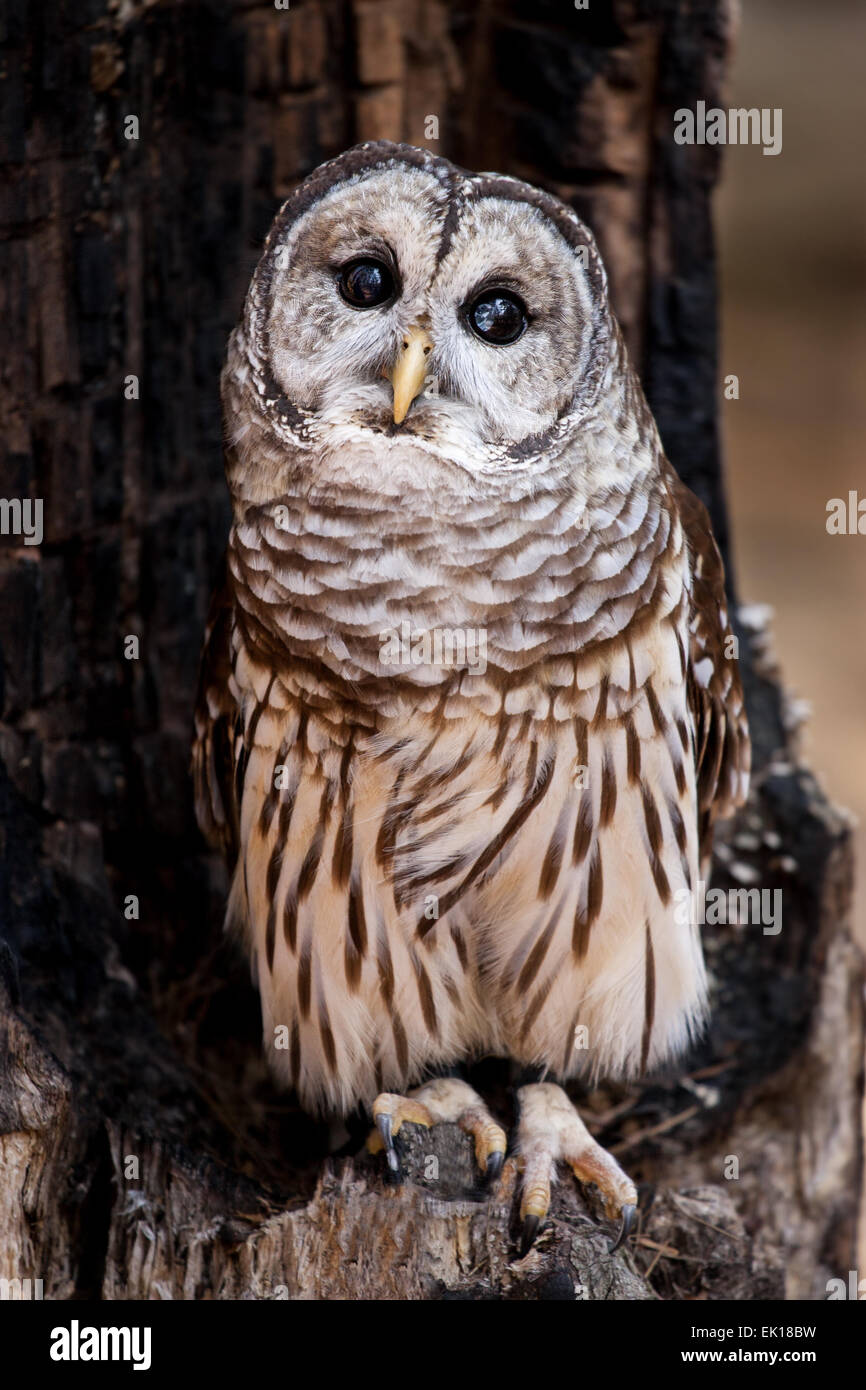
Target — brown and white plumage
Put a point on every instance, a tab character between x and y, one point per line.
431	863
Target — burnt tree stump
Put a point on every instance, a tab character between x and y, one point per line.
144	1152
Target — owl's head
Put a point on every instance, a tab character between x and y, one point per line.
401	298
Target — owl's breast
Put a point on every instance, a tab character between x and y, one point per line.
365	603
455	881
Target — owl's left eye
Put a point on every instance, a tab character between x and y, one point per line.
498	317
365	284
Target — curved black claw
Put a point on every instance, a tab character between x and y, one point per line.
528	1234
495	1162
383	1124
629	1216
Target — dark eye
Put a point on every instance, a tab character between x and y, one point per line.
498	317
366	283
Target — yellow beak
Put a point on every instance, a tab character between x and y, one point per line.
408	372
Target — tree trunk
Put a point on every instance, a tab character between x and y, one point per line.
144	1152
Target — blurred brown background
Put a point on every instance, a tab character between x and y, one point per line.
792	241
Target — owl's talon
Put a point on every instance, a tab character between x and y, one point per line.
528	1233
629	1216
551	1129
390	1113
445	1100
385	1128
495	1163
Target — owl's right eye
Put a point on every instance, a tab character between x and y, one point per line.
365	284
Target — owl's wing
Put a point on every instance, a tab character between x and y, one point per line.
715	692
216	717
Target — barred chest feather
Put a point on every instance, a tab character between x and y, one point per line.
486	865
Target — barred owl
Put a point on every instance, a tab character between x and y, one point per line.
467	708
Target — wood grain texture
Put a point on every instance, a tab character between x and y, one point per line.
139	1038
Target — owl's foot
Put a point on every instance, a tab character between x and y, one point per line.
550	1129
441	1101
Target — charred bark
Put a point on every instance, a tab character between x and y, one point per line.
144	1152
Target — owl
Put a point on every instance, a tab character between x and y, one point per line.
468	704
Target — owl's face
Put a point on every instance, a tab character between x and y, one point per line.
400	297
